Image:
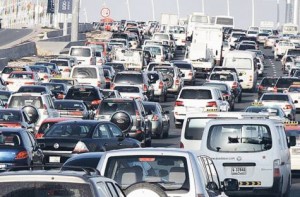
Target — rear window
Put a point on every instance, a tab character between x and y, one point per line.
65	81
150	108
86	94
109	94
8	70
222	87
286	82
32	89
221	77
21	76
81	72
37	189
4	96
268	82
165	71
69	130
45	126
62	105
60	62
20	101
239	138
110	107
83	52
184	66
294	89
39	69
127	89
274	97
117	67
195	94
10	139
10	116
264	110
129	78
55	87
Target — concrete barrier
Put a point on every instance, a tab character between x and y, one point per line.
83	28
3	63
19	51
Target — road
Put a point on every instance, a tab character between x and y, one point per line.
272	68
8	36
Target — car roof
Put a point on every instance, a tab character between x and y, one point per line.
68	100
86	155
9	129
59	119
198	88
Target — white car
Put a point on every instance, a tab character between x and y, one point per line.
17	79
43	72
162	172
131	91
195	99
228	77
64	66
188	70
8	69
294	92
159	86
281	48
234	36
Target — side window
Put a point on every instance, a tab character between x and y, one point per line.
102	188
283	137
26	141
280	137
50	102
112	189
33	142
102	132
115	130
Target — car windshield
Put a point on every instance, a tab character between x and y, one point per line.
20	76
69	105
170	172
195	94
268	82
86	94
239	63
82	72
183	66
39	69
286	82
220	86
165	71
41	188
32	89
60	62
8	70
263	109
153	50
274	97
20	101
131	89
83	52
110	107
10	139
69	130
221	77
239	138
10	116
129	78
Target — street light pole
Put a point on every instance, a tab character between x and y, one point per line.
178	9
203	6
228	8
153	10
128	8
253	12
75	21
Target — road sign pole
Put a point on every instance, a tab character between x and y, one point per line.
75	21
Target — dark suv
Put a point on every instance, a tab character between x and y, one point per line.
266	85
91	95
117	111
134	78
283	83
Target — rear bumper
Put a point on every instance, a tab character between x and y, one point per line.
56	157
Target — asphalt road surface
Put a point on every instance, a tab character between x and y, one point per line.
272	68
10	35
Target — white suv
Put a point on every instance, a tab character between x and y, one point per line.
42	102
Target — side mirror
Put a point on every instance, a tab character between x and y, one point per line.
292	141
230	184
295	101
241	80
212	186
121	137
167	112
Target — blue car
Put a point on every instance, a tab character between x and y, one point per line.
18	148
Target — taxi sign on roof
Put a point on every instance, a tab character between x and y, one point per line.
296	83
291	123
257	104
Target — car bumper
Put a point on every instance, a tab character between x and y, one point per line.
56	157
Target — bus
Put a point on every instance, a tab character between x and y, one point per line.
224	21
195	19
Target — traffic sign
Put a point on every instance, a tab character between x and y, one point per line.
105	12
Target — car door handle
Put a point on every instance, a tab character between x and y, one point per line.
105	144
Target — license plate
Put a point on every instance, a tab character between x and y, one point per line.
54	159
238	171
2	166
269	89
194	109
296	151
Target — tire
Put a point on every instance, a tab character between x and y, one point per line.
240	98
123	120
288	189
145	189
161	98
166	134
169	80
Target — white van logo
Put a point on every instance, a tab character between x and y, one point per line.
239	158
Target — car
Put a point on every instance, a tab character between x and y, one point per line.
172	77
68	81
110	68
282	100
84	54
134	78
4	95
64	66
68	181
262	37
73	109
43	72
281	48
91	95
134	121
42	102
11	68
16	79
270	41
18	148
55	72
110	93
34	89
294	92
118	67
266	85
193	99
73	60
293	129
151	65
162	172
131	91
160	121
108	78
65	139
59	90
188	70
283	83
90	160
160	87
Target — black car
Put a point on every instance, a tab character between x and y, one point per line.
68	108
4	95
35	89
90	160
67	138
91	95
266	85
118	67
283	83
18	148
59	90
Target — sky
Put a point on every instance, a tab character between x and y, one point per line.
265	10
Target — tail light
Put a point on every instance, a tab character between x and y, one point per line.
288	107
22	155
276	168
45	110
211	104
29	83
46	77
177	82
179	103
155	117
67	70
96	102
275	89
234	85
260	87
39	135
190	73
145	87
112	86
99	84
80	148
137	114
181	145
161	85
91	61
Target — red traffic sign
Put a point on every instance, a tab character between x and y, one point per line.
105	12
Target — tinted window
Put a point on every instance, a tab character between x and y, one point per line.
195	94
10	116
263	109
221	77
86	162
268	82
239	138
60	62
274	97
55	87
294	89
63	105
129	78
165	71
8	70
32	89
85	94
117	67
109	94
45	126
286	82
69	130
4	96
222	87
80	52
20	101
65	81
10	139
109	107
21	76
184	66
81	72
39	69
127	89
150	108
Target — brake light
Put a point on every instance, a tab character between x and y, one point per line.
276	168
145	87
45	110
177	82
112	86
96	102
67	70
211	104
275	89
260	87
179	103
288	107
137	114
161	85
234	85
39	135
99	84
181	145
29	83
155	117
80	148
22	155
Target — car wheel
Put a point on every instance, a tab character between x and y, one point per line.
166	134
240	98
148	142
123	120
161	98
288	189
144	189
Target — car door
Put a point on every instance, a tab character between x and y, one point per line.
164	117
51	110
37	154
103	138
122	142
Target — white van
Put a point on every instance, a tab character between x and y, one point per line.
255	152
246	65
157	52
84	54
89	74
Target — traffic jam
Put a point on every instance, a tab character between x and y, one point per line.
97	120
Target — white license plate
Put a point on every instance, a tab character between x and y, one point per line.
2	166
238	171
194	109
270	89
54	159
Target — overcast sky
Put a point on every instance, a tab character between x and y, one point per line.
142	9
